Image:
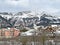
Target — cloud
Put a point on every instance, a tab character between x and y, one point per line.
23	3
13	5
51	6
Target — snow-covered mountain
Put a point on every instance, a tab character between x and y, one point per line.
29	18
26	18
25	14
6	15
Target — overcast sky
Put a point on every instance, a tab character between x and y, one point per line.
52	6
